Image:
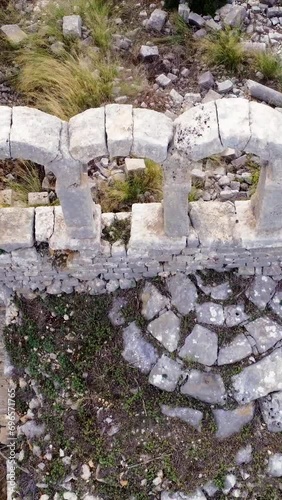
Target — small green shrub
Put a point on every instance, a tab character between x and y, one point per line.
182	33
224	49
122	194
269	65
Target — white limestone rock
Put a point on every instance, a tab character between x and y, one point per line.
183	293
264	332
205	386
165	374
188	415
72	26
44	224
261	291
166	329
152	134
87	135
233	121
119	129
210	313
200	345
5	120
271	409
230	422
274	468
152	301
16	228
239	348
137	351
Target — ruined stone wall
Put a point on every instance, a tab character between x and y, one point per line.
60	249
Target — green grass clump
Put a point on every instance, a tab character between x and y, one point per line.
269	65
224	49
122	194
64	87
182	34
28	180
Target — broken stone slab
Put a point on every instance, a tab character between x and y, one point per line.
235	17
276	304
134	165
235	315
264	141
165	374
206	80
183	293
210	313
201	345
264	93
261	290
35	135
265	333
234	123
157	20
152	134
244	455
6	120
119	129
137	351
68	171
259	379
179	495
274	468
196	132
238	349
147	231
166	329
163	81
230	422
14	34
188	415
44	224
206	387
41	198
204	217
225	86
196	20
210	96
152	301
149	53
271	410
87	135
17	227
218	292
72	26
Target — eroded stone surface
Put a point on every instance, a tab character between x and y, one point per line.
271	409
201	346
197	495
115	314
265	333
188	415
183	293
210	313
165	374
230	422
274	468
152	301
276	304
244	455
261	291
239	348
235	315
137	351
16	228
207	387
259	379
166	329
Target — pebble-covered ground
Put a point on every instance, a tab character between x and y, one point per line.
169	387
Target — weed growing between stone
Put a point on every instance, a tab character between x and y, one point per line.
100	412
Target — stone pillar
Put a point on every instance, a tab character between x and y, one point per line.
267	200
177	185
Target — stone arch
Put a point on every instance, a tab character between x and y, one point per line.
209	129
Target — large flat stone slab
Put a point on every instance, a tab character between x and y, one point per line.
119	129
17	228
259	379
88	135
152	134
205	216
5	120
265	141
152	301
230	422
183	293
238	349
210	313
261	290
188	415
234	122
44	223
35	135
207	387
137	351
147	231
200	346
265	333
235	315
166	329
196	132
165	374
271	410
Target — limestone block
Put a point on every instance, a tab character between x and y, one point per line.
65	168
44	223
6	197
152	134
87	135
187	415
196	132
38	198
267	202
265	140
77	207
24	257
147	231
175	205
5	120
60	240
263	93
72	26
233	122
119	129
133	165
230	422
34	135
165	374
16	228
14	33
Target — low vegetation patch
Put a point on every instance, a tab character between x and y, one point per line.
224	49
